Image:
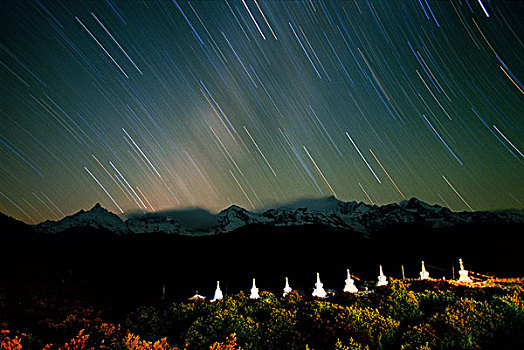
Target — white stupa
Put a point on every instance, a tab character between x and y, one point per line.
254	291
463	274
382	280
319	291
218	293
350	284
424	275
287	288
196	297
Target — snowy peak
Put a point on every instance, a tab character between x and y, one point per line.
233	209
97	217
414	204
235	217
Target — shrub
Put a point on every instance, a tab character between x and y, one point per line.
367	325
432	302
510	309
8	342
224	321
149	322
350	345
280	331
79	342
229	344
399	303
133	342
420	336
467	324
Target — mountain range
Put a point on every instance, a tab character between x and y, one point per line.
330	212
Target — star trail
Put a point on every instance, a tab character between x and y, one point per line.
153	105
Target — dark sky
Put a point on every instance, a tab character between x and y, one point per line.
170	104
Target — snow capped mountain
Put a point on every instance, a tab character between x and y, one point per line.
235	217
97	217
329	211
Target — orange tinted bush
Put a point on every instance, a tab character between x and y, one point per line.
79	342
133	342
9	343
229	344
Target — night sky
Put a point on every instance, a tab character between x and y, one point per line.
172	104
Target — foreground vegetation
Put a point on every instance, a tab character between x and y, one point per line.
422	315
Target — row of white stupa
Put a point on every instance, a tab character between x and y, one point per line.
349	287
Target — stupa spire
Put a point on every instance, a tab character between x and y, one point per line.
254	291
319	291
463	274
287	288
424	275
350	284
382	279
218	293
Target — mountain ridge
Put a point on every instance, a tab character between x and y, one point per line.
328	211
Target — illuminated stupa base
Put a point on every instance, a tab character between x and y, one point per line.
424	275
218	293
382	280
319	291
463	274
254	291
287	288
350	284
